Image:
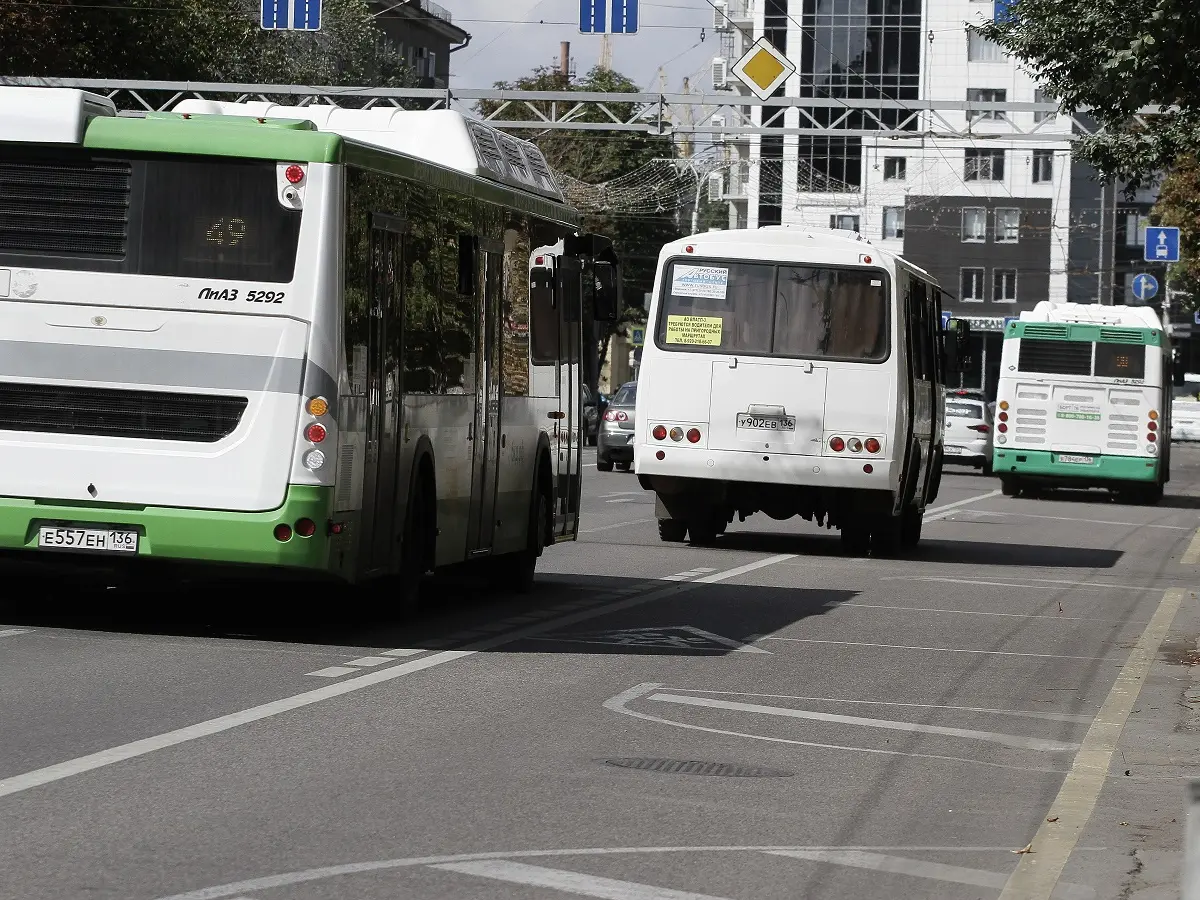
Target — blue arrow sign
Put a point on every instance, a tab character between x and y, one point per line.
624	16
1145	286
1162	245
290	15
592	16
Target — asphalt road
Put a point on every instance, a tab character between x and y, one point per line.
763	719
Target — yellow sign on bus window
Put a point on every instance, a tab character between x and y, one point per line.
703	331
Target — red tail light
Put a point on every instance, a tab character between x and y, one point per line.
872	445
1000	428
659	432
306	527
610	416
983	429
283	533
1152	437
693	435
837	445
1153	426
1003	417
622	416
315	432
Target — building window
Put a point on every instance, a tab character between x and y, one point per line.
985	165
985	95
971	285
1008	226
980	49
844	223
895	168
974	224
1043	166
1041	95
893	221
1135	230
1004	286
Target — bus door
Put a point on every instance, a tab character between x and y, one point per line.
385	304
918	375
570	395
485	430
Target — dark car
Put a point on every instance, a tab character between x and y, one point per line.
614	446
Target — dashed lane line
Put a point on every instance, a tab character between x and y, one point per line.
567	882
13	632
930	649
1191	556
1037	874
134	749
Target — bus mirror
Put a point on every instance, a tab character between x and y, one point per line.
607	303
569	289
466	264
541	289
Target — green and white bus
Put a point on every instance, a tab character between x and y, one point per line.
1084	401
296	339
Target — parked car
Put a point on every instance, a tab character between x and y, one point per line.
591	416
615	444
968	439
1185	420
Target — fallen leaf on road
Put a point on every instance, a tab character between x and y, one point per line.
1052	819
1122	823
1028	848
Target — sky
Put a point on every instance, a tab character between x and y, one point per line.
510	37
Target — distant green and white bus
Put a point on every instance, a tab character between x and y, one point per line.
1084	401
289	338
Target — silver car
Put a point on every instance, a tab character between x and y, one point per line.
968	439
614	444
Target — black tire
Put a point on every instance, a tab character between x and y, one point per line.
856	539
911	522
703	532
414	551
986	468
887	535
672	530
603	465
1009	488
518	570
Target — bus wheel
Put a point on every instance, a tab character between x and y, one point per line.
887	535
672	530
911	521
521	568
414	559
856	538
1009	488
704	531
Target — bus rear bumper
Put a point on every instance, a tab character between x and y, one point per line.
177	534
1103	471
767	468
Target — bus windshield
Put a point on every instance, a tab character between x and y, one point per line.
768	309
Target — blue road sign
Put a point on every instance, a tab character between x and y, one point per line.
1145	286
1196	317
593	16
1162	245
290	15
638	338
624	16
1008	319
1002	10
945	320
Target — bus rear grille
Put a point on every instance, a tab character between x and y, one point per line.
64	207
1123	335
1056	357
116	413
1046	331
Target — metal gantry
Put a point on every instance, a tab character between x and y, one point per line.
651	113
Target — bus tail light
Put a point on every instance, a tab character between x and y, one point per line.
314	459
660	455
306	527
1153	426
317	406
659	433
1152	437
1004	404
868	468
872	445
677	434
693	435
1153	414
283	532
315	433
1003	417
294	174
855	445
1001	428
837	445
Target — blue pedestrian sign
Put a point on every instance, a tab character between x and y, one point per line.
290	15
638	337
594	16
1145	287
1162	245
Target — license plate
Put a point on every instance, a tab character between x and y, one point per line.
1072	458
955	451
98	540
767	423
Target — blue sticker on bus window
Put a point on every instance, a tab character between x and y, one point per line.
699	281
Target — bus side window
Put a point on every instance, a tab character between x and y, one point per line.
543	317
917	329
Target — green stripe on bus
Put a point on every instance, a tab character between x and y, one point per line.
1102	467
213	136
171	533
1074	331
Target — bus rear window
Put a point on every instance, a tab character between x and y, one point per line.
775	310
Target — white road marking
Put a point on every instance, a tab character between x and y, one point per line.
12	632
404	651
919	868
1035	583
1007	740
308	876
616	525
567	882
619	704
703	569
1191	556
738	646
1013	515
932	649
622	494
334	672
940	512
367	661
836	604
1037	873
663	636
92	761
1021	713
620	500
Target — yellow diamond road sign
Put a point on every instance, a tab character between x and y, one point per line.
763	69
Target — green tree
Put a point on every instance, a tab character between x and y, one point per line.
1179	205
596	157
1114	58
196	40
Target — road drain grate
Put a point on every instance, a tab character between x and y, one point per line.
695	767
